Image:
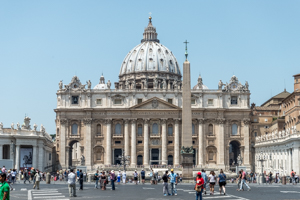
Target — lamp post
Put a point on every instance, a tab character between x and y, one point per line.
261	158
124	160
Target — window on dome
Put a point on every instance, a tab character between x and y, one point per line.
161	60
151	59
159	50
171	62
167	52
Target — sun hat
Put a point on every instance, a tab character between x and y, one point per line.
199	173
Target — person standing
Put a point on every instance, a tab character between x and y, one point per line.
3	169
37	178
80	180
72	183
96	178
165	178
143	176
135	175
112	179
124	177
270	177
77	173
103	181
251	176
4	189
26	176
222	182
60	175
13	176
32	173
119	177
293	177
205	179
173	182
239	180
199	186
243	181
212	182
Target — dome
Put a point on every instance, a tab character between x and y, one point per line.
102	85
200	84
150	56
196	87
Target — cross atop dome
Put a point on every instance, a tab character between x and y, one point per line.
150	32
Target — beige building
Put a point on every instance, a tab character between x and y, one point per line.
142	115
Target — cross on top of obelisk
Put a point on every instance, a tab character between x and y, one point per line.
186	53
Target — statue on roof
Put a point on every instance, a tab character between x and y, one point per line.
200	82
34	126
89	84
247	85
18	126
133	85
108	84
12	126
155	83
1	125
60	85
220	85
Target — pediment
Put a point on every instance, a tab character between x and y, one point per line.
155	104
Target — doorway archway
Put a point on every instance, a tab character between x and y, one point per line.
234	151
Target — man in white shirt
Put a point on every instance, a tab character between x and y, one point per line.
72	184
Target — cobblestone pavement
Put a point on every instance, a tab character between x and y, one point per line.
59	191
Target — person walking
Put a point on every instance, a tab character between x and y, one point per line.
119	177
173	182
32	174
143	176
135	175
243	181
72	183
222	182
9	180
37	178
205	179
165	178
124	177
239	180
80	180
152	177
26	176
4	189
96	178
212	182
3	169
199	186
112	179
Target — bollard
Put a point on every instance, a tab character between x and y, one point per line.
283	180
90	178
48	178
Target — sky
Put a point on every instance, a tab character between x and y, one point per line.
43	42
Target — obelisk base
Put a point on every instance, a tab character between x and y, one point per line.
187	167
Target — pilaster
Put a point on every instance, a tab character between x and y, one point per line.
176	143
164	142
88	142
133	143
201	151
126	138
146	142
108	142
62	138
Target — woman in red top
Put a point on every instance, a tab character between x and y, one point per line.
199	186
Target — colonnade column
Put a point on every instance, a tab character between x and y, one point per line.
176	143
17	157
108	142
1	151
133	143
88	142
201	144
41	156
126	139
146	142
34	157
164	156
221	146
62	138
247	143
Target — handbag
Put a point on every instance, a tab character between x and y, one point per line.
198	188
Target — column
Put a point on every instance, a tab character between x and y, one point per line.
108	142
176	143
17	157
221	144
164	146
247	143
62	137
1	151
69	162
133	143
201	143
34	157
146	142
296	159
41	157
126	136
88	142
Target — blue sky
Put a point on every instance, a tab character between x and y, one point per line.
43	42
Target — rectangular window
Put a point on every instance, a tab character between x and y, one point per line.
193	141
140	101
118	101
74	99
193	101
170	101
234	100
255	120
99	101
117	142
170	142
210	102
49	156
255	134
140	142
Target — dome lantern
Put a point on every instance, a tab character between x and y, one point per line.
150	33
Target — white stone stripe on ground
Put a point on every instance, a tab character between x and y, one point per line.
240	198
148	188
23	189
45	194
29	195
214	197
290	192
48	197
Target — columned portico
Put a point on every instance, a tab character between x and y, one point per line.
133	143
164	142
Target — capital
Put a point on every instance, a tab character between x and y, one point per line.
164	120
147	120
87	120
133	120
126	121
246	122
108	121
177	120
63	121
201	121
221	121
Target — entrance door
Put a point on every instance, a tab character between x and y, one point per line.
117	153
170	160
155	156
140	160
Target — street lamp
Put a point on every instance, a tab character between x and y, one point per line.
261	158
124	160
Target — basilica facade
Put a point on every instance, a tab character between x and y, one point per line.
141	116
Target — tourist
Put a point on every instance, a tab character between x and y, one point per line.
26	176
80	180
180	177
72	183
77	173
222	182
243	181
32	173
156	176
151	175
60	175
239	180
96	178
3	169
212	182
270	177
37	178
165	184
173	182
66	175
119	177
124	177
13	176
9	179
205	179
4	189
251	177
112	179
143	176
103	181
135	175
199	186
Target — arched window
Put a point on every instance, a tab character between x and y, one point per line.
155	129
211	155
210	129
193	129
234	128
74	129
170	129
140	130
118	129
98	129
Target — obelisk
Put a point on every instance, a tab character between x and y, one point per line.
186	140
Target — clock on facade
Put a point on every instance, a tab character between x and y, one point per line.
234	86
